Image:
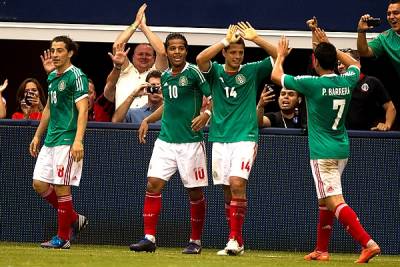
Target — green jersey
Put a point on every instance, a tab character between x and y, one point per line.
183	97
387	42
327	98
234	116
64	91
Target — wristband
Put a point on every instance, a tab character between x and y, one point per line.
117	67
225	42
207	111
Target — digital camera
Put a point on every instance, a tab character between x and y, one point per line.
28	97
153	89
374	22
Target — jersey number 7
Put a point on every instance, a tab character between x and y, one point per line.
338	104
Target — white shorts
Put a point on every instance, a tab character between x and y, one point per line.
188	158
327	176
232	159
55	165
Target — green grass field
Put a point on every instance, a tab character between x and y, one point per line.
28	254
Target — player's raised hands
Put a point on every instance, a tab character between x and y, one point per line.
312	23
120	55
47	62
4	85
321	36
247	31
232	35
283	47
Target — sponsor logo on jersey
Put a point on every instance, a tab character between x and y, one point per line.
240	79
365	87
330	189
183	81
61	85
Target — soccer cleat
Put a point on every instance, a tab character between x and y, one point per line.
192	248
232	249
368	253
80	224
56	242
317	256
143	245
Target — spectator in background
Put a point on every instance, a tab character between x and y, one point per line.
136	115
3	103
288	115
91	100
127	75
386	43
30	100
371	107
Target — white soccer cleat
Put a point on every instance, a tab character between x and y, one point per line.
232	249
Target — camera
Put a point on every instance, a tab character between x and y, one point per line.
29	94
374	22
153	89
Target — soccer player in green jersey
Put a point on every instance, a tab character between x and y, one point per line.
59	163
327	98
233	128
179	146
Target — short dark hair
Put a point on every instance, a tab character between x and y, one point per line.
240	41
153	74
326	55
394	2
70	45
173	36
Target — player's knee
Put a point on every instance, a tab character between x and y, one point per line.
154	185
195	193
39	186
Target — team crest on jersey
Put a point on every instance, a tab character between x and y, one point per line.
183	81
61	85
365	87
240	79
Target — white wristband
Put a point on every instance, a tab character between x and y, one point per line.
225	42
207	111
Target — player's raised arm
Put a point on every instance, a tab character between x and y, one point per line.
204	58
247	32
282	53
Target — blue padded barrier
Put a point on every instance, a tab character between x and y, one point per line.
282	212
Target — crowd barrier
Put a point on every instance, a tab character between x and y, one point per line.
282	212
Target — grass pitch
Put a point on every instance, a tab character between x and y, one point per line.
29	254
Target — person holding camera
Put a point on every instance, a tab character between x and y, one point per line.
289	105
386	43
152	88
30	100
